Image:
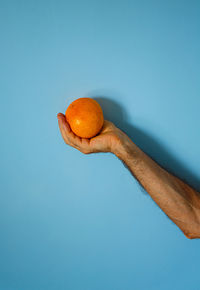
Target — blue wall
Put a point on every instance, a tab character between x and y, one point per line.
81	222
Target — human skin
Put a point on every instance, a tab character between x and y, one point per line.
179	201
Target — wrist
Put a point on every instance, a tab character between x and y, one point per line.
126	149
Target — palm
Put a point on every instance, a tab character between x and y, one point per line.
103	142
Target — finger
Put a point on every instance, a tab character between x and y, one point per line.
85	143
67	134
64	127
63	122
107	126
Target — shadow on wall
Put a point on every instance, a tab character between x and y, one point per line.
115	113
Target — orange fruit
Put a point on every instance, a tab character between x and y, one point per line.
85	117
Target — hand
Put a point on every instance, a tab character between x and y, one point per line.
108	140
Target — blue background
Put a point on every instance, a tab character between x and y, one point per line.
81	222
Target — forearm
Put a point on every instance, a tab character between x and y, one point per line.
178	200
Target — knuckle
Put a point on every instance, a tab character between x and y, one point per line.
84	151
67	141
